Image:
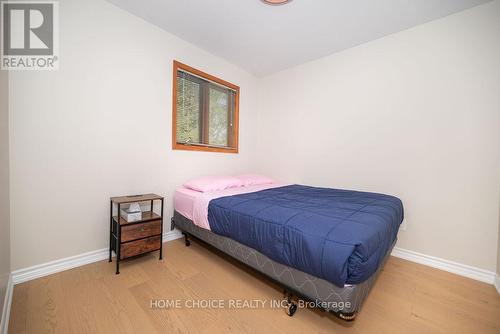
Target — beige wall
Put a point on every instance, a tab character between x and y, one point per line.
4	186
101	126
415	114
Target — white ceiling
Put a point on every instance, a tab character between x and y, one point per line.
265	39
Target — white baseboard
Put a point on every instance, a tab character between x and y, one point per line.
446	265
497	283
27	274
45	269
171	235
4	323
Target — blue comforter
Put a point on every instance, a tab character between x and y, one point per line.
341	236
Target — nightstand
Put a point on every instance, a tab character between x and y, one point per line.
129	239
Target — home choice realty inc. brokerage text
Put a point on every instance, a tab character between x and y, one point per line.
241	304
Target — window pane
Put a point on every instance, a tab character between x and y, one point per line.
188	111
218	117
205	110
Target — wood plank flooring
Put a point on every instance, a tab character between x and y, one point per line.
407	298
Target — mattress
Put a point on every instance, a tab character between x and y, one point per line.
194	204
184	199
341	236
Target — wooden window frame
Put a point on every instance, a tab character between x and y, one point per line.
204	148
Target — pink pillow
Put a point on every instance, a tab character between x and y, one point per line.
206	184
254	179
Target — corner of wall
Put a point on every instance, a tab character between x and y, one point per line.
497	279
7	302
6	286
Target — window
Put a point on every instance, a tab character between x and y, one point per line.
205	112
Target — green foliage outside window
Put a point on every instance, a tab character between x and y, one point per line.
198	99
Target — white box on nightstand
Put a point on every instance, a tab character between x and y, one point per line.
131	216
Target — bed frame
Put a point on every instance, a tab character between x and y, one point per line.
343	302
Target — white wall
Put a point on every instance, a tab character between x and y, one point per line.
4	186
101	126
415	114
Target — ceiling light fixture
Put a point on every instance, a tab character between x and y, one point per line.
276	2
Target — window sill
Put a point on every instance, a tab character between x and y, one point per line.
204	148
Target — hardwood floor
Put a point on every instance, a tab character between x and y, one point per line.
407	298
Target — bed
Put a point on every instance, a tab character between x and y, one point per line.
326	246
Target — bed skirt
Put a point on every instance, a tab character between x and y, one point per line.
345	302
